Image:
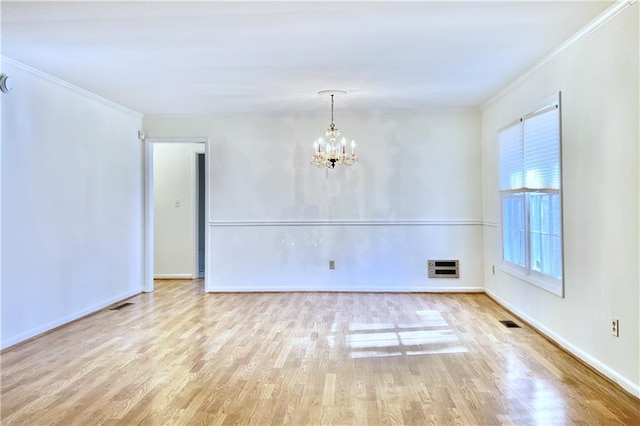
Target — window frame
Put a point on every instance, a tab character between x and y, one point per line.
526	273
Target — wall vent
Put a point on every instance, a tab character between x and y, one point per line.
444	269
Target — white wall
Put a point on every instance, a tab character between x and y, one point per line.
598	78
1	143
71	204
174	180
276	220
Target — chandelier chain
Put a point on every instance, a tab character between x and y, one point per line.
332	125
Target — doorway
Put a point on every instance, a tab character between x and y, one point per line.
198	204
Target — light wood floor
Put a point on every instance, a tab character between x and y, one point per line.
180	356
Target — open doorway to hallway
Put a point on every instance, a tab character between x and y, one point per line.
175	210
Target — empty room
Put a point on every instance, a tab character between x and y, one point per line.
320	213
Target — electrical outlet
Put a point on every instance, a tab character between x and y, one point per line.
615	327
332	264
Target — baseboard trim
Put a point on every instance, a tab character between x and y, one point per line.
380	289
173	277
34	333
573	350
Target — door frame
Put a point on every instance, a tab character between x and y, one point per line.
147	284
196	199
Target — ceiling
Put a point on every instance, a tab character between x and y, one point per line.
273	57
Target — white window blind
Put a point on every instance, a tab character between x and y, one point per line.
542	150
531	210
530	152
511	157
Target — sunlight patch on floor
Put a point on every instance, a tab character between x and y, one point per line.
429	336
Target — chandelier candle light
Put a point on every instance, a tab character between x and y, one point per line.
328	152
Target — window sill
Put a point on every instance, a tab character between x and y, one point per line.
553	286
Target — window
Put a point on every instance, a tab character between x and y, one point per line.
530	195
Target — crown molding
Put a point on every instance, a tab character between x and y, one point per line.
592	26
74	88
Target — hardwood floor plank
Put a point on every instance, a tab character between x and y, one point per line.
181	356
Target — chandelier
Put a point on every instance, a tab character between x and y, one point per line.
329	152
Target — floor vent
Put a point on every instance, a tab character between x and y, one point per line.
509	324
124	305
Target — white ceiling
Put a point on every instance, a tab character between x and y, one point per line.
273	57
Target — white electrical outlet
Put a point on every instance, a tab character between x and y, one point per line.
332	264
615	327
